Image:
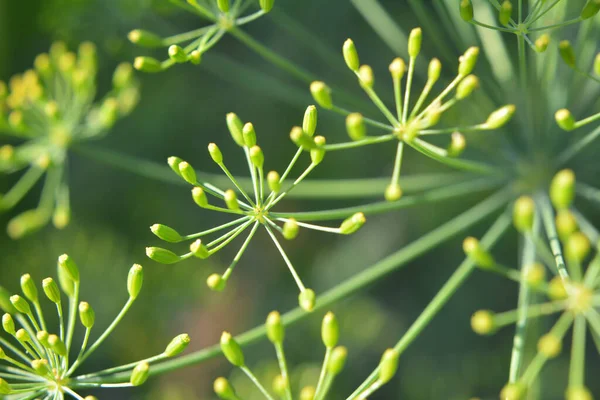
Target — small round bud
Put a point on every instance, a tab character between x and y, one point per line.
161	255
388	365
535	274
590	9
123	75
275	329
397	68
505	12
66	283
318	153
22	335
307	299
280	385
466	62
199	196
140	374
307	393
174	164
513	391
565	119
414	42
86	315
567	53
478	254
301	138
147	64
28	287
322	94
235	126
249	134
309	123
20	304
577	247
257	157
562	189
549	345
457	145
500	117
579	392
355	125
365	75
232	350
195	57
541	44
290	229
199	249
337	360
393	192
177	345
5	387
135	279
466	87
273	181
177	54
352	223
187	172
350	55
330	330
8	324
57	345
144	38
566	224
166	233
222	387
5	304
223	5
466	10
482	322
42	337
231	200
67	264
556	289
215	282
266	5
434	70
523	213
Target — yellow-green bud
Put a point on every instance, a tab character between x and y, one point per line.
177	54
466	87
541	44
566	224
67	264
478	254
266	5
257	157
223	5
457	144
321	93
144	38
565	119
135	280
317	154
307	299
597	64
90	397
513	391
290	229
577	247
232	350
140	373
231	200
123	75
352	223
187	172
177	345
309	123
195	57
590	9
280	385
42	337
5	387
567	53
199	249
482	322
40	366
393	192
505	12
147	64
549	345
466	10
8	324
562	189
5	304
273	181
523	213
174	164
249	134
330	330
337	360
355	125
57	345
556	289
350	55
365	75
215	282
414	42
86	314
466	62
28	287
223	388
275	329
434	70
535	274
20	304
199	196
22	335
161	255
579	393
235	126
166	233
301	138
500	117
307	393
66	283
397	68
388	365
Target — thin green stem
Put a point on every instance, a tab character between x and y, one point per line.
577	365
286	259
284	370
215	229
409	79
254	380
576	147
323	374
548	219
239	254
360	143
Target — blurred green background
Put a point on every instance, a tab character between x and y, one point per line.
181	111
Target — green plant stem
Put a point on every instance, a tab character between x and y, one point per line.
576	147
354	284
548	219
577	366
256	382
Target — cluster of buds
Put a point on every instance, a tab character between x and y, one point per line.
410	123
49	108
573	291
333	364
224	17
36	362
253	210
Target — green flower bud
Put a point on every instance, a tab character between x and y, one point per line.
199	196
147	64
500	117
565	119
579	392
199	249
414	42
513	391
301	138
478	254
140	373
66	283
215	282
577	247
187	172
275	329
549	345
556	289
273	181
397	68
466	87
123	75
22	335
177	54
280	385
350	55
135	279
337	360
29	289
523	213
42	337
174	164
222	387
562	189
307	299
177	345
5	303
86	315
466	10
266	5
307	393
215	153
5	387
223	5
434	70
235	125
457	144
388	365
161	255
355	125
535	274
505	12
482	322
365	75
195	57
330	330
57	345
290	229
231	200
144	38
352	223
8	324
566	224
317	154
541	44
466	62
166	233
590	9
597	64
322	94
67	264
20	304
249	134
232	350
257	157
567	53
309	123
393	192
40	366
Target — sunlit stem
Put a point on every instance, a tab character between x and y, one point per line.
261	184
409	79
360	143
533	311
224	210
284	370
442	95
254	380
555	26
20	365
235	182
379	103
286	259
548	219
227	238
370	390
73	303
286	173
577	365
542	250
534	10
72	393
215	229
422	98
21	188
252	174
249	18
40	314
495	28
296	182
86	338
184	37
398	163
368	121
323	374
593	271
472	128
239	254
120	368
5	343
548	9
398	96
313	226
